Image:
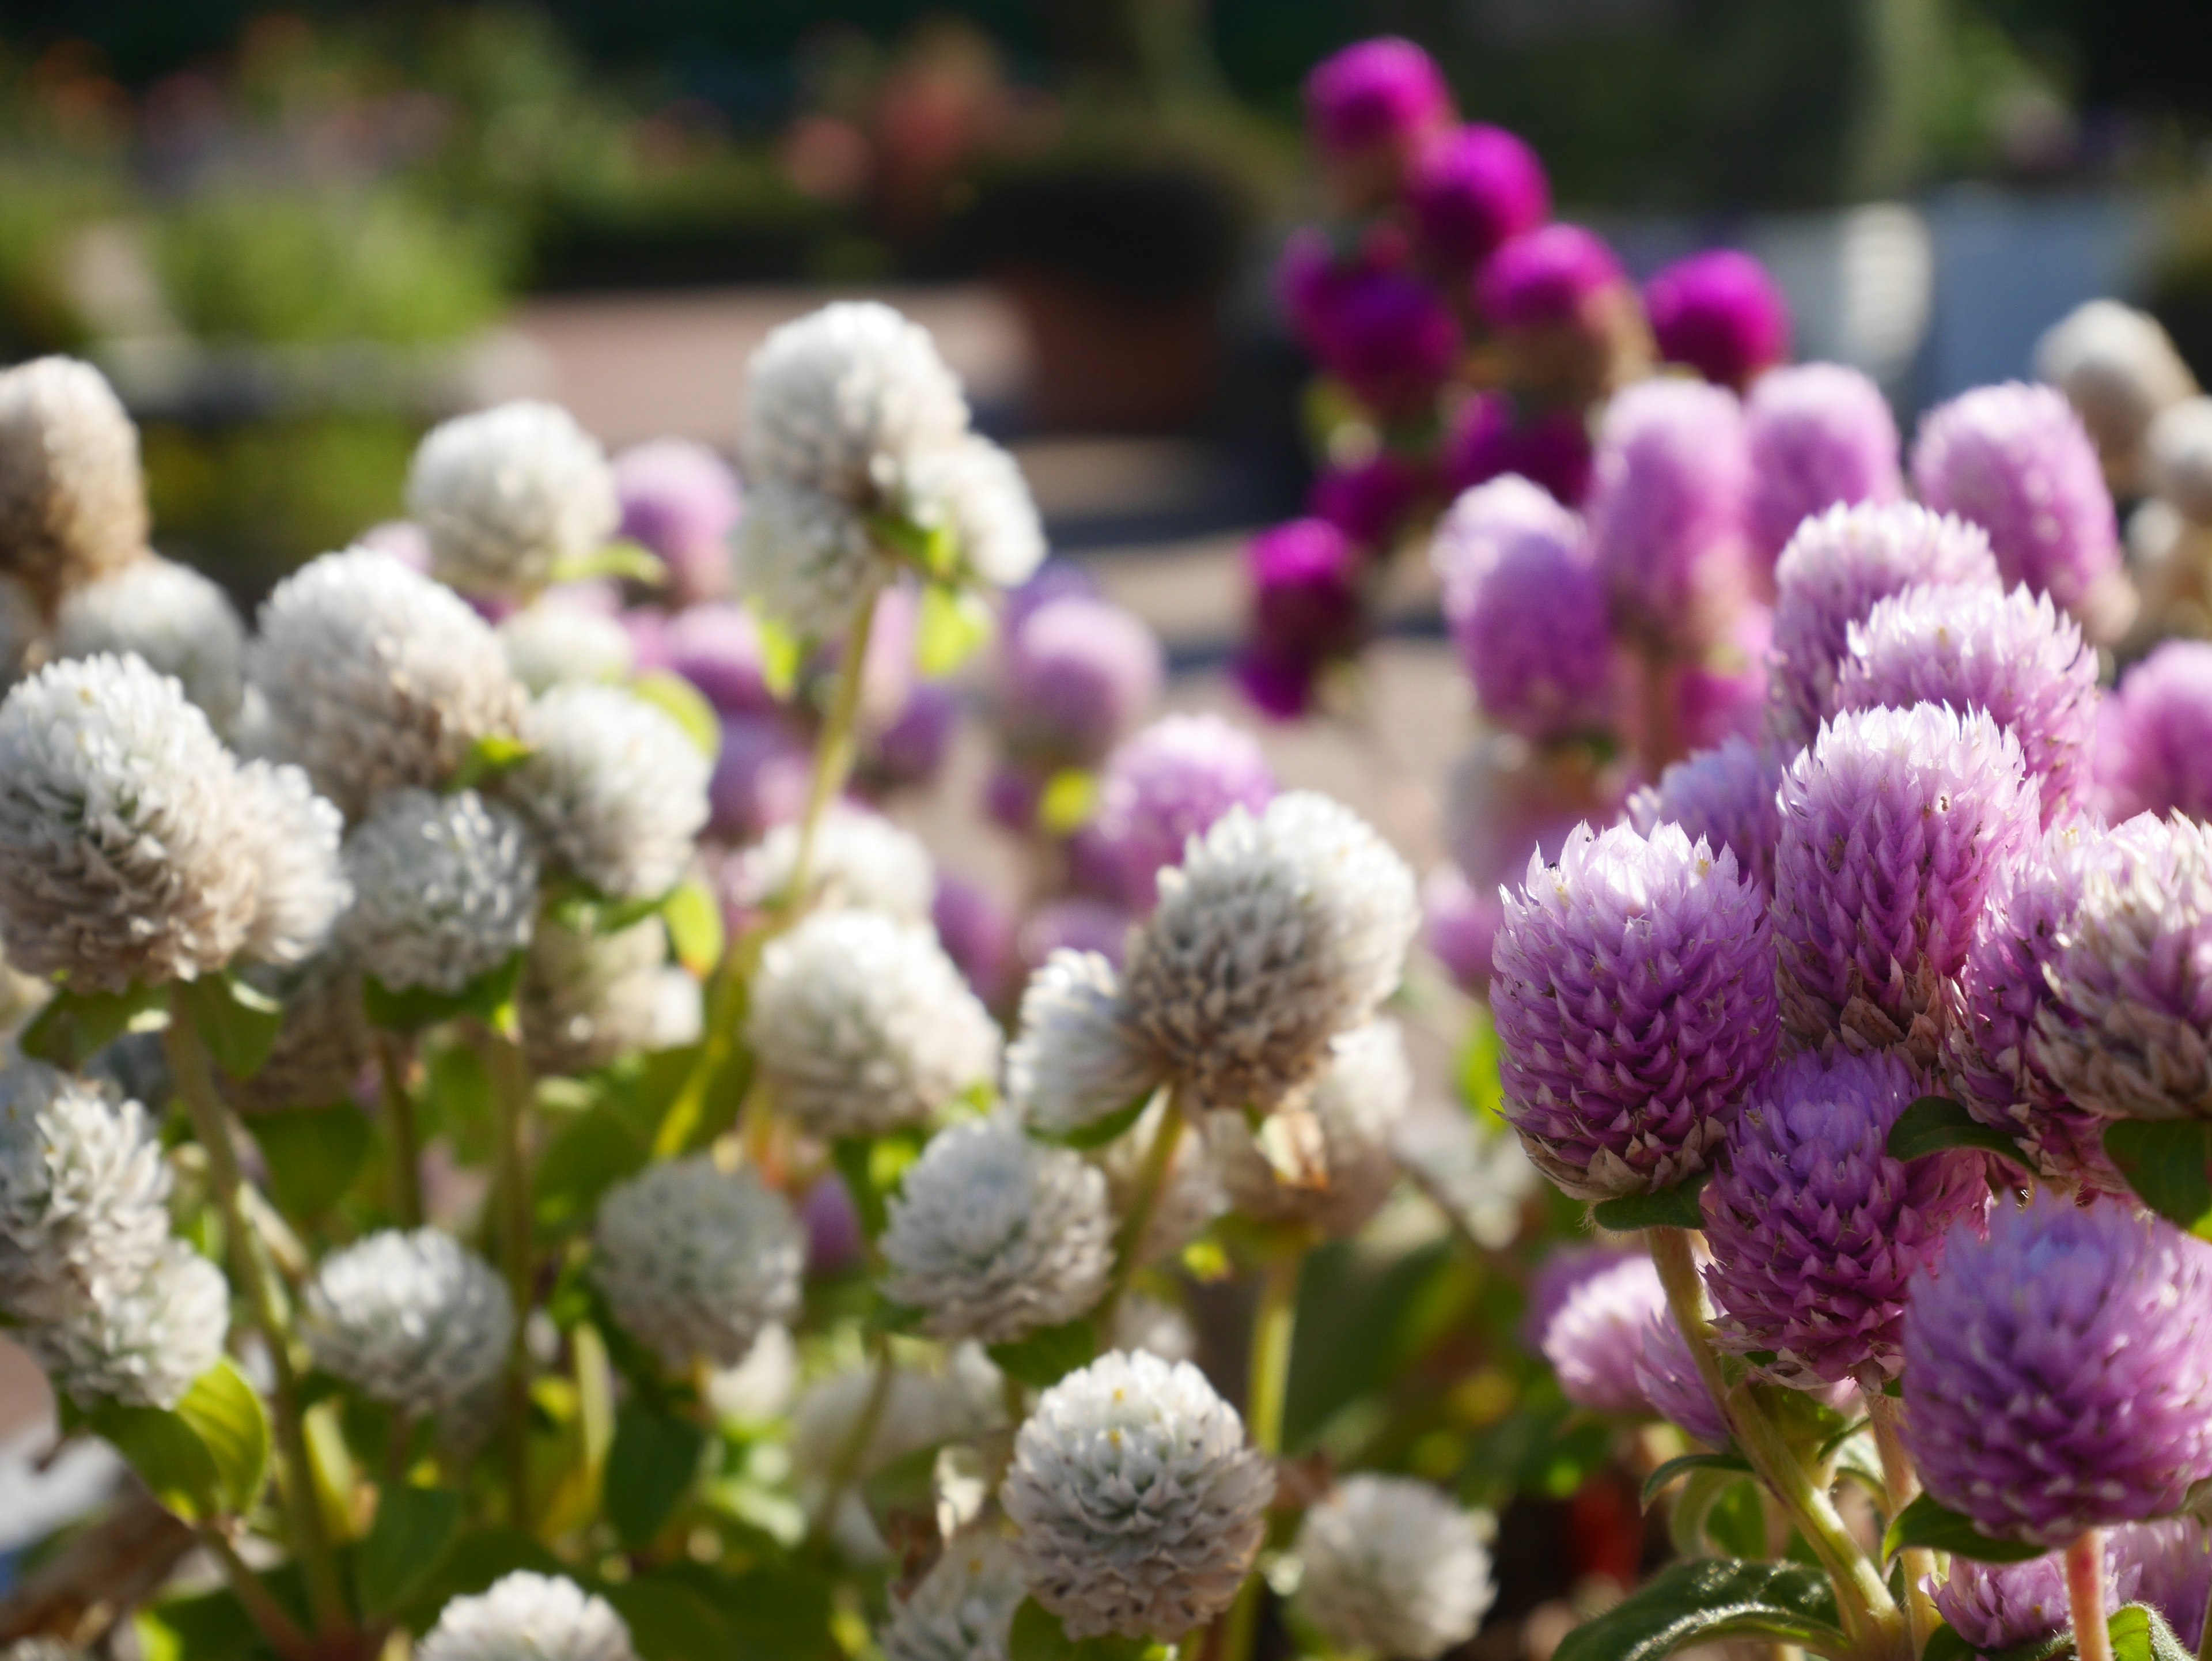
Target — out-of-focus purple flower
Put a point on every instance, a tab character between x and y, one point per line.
914	745
717	648
761	777
1391	339
976	929
1816	1231
1721	694
649	637
1472	190
1076	674
1819	434
1369	501
833	1226
2001	1606
2170	1561
1460	922
1489	438
1896	825
2016	460
403	539
1010	796
1381	95
1594	1339
2015	655
1560	1275
1723	797
1546	278
1837	568
1667	1374
1306	613
1634	994
1169	782
2059	1374
681	501
1669	494
2155	753
1527	607
1723	313
1081	923
1504	798
1056	579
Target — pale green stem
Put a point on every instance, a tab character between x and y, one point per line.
511	1094
260	1605
1902	1484
1129	1239
2085	1597
1275	1326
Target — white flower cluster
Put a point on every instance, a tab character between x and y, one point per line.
554	644
963	1609
445	889
588	998
72	499
507	495
1392	1567
615	790
415	1320
860	862
168	614
528	1617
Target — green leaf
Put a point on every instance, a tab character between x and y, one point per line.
693	917
773	1614
871	1167
1477	1070
1935	1123
2140	1633
1069	799
490	756
314	1154
2165	1162
1044	1358
669	1621
1038	1636
1099	1132
470	1564
166	1453
1945	1644
413	1528
654	1461
1927	1522
208	1626
906	1483
678	698
591	1153
238	1024
628	561
1663	1478
782	655
1670	1207
1718	1597
954	625
1736	1521
75	1025
225	1412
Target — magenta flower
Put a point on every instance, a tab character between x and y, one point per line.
1489	438
1722	312
1667	1374
1369	501
1306	613
1594	1339
717	648
681	501
2155	754
1546	278
1391	339
1820	435
1723	797
1076	674
1472	190
1168	783
1385	93
1460	924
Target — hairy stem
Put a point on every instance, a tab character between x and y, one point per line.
1274	1327
511	1090
1129	1239
400	1121
2085	1596
1903	1484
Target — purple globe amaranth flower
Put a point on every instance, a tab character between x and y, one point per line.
1896	825
1056	579
1556	1279
1315	275
1836	569
1546	278
1371	501
1819	434
1385	93
1169	783
1723	797
717	648
763	774
681	501
834	1241
1816	1231
1075	675
1721	694
1306	611
2015	655
1460	924
1080	923
2001	1606
1391	339
1010	796
976	929
1593	1339
1669	491
2155	752
1472	190
913	745
1722	312
1527	607
2016	460
2059	1374
1489	438
1634	997
1667	1374
2171	1563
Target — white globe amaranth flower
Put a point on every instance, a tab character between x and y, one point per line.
975	491
169	614
1358	1105
1139	1506
588	998
964	1609
800	555
1075	1063
616	790
1279	931
2178	459
1142	1322
992	1237
445	889
72	496
1394	1566
2118	368
528	1617
552	643
695	1261
296	837
505	495
125	851
860	1024
375	678
84	1193
411	1319
861	861
143	1343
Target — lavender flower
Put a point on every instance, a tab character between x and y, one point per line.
2170	1561
1820	435
1490	437
1667	1374
976	929
717	648
763	776
1169	782
681	501
2001	1606
2155	751
1460	924
1473	190
1721	312
1306	613
1073	922
1723	797
1594	1339
1077	674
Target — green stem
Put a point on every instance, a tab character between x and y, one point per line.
511	1090
188	1062
1274	1327
837	743
400	1121
1129	1239
854	1453
1902	1484
261	1606
2085	1597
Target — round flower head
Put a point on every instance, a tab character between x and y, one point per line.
1632	986
911	748
1139	1507
975	927
1816	1231
1391	339
169	614
2015	655
963	1609
1722	312
1490	437
1074	1062
507	495
2016	460
1459	925
84	1193
1146	1324
718	649
1593	1342
295	835
143	1342
615	789
973	492
695	1260
1170	782
1478	1177
444	888
589	998
528	1617
1545	278
2118	369
1306	613
861	862
1076	674
991	1236
2155	751
1896	826
72	498
1527	605
1279	931
1392	1567
415	1320
1560	1275
1369	500
125	851
2003	1606
1820	435
2059	1374
1386	92
801	555
376	678
681	501
1724	798
860	1024
1358	1104
1474	190
1667	1377
1668	496
2178	448
554	642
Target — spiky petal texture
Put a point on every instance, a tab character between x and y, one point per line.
963	1609
144	1343
1394	1566
860	1024
169	614
376	679
1139	1506
1358	1104
2001	1606
1819	434
861	862
1594	1339
1633	989
2118	369
1076	674
695	1260
1169	782
1527	605
1279	931
1724	798
589	998
615	789
993	1236
1896	826
2059	1374
505	495
84	1193
72	498
1816	1231
1722	312
528	1617
415	1320
1835	569
2172	1560
444	889
1667	1377
557	642
1074	1062
2155	751
124	848
295	835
